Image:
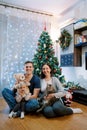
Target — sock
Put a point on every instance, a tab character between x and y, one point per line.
77	110
14	115
22	115
11	114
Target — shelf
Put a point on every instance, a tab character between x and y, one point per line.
81	29
81	44
80	35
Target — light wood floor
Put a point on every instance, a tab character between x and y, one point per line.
39	122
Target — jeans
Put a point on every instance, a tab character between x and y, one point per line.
56	110
30	106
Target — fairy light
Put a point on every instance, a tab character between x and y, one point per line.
21	36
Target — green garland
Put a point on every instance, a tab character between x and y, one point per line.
65	39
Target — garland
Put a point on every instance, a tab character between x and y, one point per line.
65	39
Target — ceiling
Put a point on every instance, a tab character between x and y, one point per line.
54	7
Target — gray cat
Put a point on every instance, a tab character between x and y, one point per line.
42	102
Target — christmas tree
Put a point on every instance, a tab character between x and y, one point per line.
45	54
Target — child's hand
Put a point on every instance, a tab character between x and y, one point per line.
27	97
18	98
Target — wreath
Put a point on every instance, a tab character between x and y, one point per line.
65	39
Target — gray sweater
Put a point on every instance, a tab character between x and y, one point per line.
59	89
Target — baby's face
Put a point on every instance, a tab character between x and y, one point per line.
22	88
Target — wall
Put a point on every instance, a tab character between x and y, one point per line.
76	74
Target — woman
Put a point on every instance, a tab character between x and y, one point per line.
57	108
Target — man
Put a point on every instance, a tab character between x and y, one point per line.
32	104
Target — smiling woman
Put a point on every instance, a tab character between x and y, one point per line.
58	108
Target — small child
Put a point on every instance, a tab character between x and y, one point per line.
22	95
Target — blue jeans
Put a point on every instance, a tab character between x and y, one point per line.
30	106
56	110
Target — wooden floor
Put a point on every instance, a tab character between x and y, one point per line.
39	122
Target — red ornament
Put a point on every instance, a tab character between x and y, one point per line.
38	43
51	46
40	57
45	26
46	57
60	69
55	71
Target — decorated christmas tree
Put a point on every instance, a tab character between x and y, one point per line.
45	54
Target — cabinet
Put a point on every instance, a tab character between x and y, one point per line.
80	40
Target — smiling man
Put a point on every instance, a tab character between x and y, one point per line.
32	104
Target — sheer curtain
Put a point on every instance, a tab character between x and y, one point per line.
19	34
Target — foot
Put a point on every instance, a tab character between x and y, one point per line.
11	114
77	110
22	115
15	115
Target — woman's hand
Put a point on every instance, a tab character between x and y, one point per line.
49	96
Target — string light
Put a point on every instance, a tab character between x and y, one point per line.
20	37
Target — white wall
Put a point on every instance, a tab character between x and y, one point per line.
76	74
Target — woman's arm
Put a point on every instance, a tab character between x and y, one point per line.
60	92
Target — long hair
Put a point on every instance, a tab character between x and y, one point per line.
42	75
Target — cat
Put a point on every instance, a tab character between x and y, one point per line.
42	102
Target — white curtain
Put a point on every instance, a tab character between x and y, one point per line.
19	34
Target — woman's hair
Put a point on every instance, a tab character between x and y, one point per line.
42	75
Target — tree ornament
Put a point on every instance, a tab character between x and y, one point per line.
55	71
46	57
39	50
38	43
60	69
45	51
40	57
51	46
65	39
45	26
44	45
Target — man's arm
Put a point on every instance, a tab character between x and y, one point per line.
35	93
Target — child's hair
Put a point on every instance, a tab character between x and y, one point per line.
24	83
19	85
